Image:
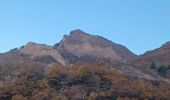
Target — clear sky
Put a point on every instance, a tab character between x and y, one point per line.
140	25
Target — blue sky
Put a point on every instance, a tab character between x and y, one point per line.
140	25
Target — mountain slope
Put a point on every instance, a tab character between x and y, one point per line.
80	47
156	61
80	44
161	54
41	50
84	67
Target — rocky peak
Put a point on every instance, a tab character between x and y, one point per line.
80	37
30	43
77	32
76	35
80	44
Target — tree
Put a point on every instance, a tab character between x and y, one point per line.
162	71
153	66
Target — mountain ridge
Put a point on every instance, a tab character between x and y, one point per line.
83	66
81	47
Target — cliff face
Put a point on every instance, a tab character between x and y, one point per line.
81	44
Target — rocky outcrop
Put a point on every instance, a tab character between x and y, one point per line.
41	50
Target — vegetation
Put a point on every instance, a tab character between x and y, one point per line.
45	59
153	66
162	71
81	82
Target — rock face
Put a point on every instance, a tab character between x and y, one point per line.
41	50
81	44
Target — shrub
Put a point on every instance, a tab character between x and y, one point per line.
162	71
153	66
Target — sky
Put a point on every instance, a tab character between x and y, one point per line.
140	25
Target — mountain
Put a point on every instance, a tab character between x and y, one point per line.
81	47
78	47
84	67
81	44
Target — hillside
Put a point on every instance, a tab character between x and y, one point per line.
84	67
155	61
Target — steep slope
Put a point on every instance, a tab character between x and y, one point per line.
81	44
82	47
40	51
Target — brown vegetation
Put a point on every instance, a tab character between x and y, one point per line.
81	82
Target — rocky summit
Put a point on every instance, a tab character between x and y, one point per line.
81	44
